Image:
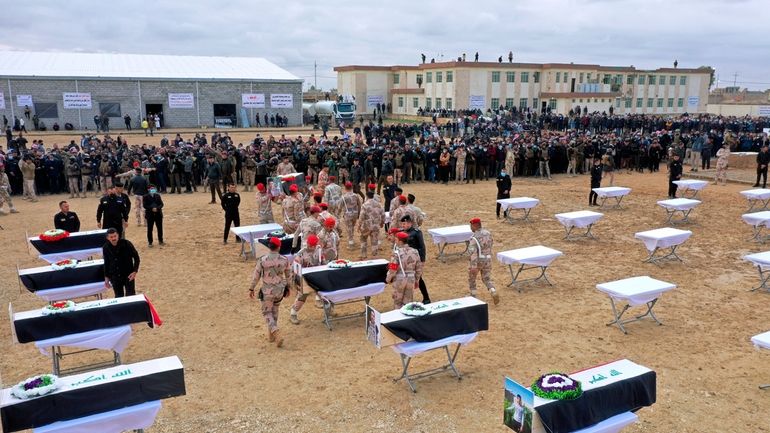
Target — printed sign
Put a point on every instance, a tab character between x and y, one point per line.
518	407
22	100
253	100
374	100
764	110
77	100
2	101
477	102
181	100
281	100
693	101
373	326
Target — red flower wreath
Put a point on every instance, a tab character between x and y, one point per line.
54	238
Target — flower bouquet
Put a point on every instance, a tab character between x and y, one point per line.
276	234
64	264
35	386
557	386
338	264
58	307
54	235
416	309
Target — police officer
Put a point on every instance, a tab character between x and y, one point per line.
675	173
114	210
153	214
66	220
417	242
503	189
596	181
230	202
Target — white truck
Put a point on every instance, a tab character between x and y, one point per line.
339	111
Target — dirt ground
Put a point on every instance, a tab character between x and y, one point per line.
336	381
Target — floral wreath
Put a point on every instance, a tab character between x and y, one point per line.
58	307
64	264
416	309
339	264
557	386
276	234
35	386
54	235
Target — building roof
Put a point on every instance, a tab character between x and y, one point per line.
506	65
24	64
571	95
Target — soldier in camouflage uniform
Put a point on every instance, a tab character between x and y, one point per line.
333	196
308	226
480	248
264	205
460	163
351	208
274	271
249	171
371	220
293	210
330	240
306	258
419	216
5	192
404	271
401	210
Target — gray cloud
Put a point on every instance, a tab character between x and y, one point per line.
643	33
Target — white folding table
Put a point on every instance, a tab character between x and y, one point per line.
674	205
348	296
611	425
634	291
762	262
113	339
525	204
72	292
616	192
580	219
137	417
410	349
762	341
662	239
451	235
757	196
757	220
693	185
537	257
250	234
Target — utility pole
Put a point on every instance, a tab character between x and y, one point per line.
315	75
735	79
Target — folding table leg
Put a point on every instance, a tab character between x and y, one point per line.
604	200
764	276
617	320
451	359
764	386
588	232
569	231
327	314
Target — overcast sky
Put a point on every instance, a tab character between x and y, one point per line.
729	35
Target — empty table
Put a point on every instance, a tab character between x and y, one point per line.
662	239
451	235
537	257
580	219
251	233
757	196
616	192
762	341
634	291
757	220
674	205
762	262
525	204
690	185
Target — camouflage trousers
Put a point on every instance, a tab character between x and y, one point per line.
266	218
460	172
485	268
302	294
375	238
5	198
270	306
248	179
403	290
350	225
289	227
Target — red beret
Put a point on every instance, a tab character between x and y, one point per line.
323	206
317	194
315	209
330	222
393	230
371	186
332	178
293	188
308	178
402	235
275	242
261	186
348	185
476	221
393	266
402	199
312	240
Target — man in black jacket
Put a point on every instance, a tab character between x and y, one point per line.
357	176
417	242
596	181
763	159
121	263
230	202
153	213
66	220
675	173
503	189
113	210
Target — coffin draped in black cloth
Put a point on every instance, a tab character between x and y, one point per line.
57	325
51	279
71	243
286	248
331	280
436	326
598	404
78	403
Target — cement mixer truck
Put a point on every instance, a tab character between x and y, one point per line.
339	111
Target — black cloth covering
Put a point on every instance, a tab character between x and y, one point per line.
436	326
331	280
63	278
286	248
71	243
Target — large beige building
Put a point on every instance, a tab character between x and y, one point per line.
463	85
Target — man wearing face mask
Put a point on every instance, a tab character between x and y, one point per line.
153	213
112	211
503	189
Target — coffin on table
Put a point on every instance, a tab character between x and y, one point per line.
46	277
286	248
74	242
358	274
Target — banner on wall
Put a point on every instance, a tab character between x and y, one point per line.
281	100
181	100
477	102
764	110
22	100
693	101
374	100
2	101
253	100
77	100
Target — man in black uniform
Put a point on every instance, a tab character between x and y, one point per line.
503	189
596	181
113	208
66	220
121	263
763	159
417	242
153	213
675	173
230	202
126	201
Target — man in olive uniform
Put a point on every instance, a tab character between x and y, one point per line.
293	210
371	220
306	258
274	271
351	208
73	176
480	249
404	270
249	171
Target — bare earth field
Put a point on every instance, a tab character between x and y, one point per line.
336	381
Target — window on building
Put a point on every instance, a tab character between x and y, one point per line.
523	101
680	102
551	104
111	109
581	100
419	78
495	76
396	78
510	77
641	80
558	77
617	102
439	77
400	102
672	80
508	102
588	77
602	100
448	103
573	101
618	79
429	77
438	103
534	103
495	103
525	77
630	79
606	79
662	80
596	100
650	102
628	102
415	102
683	80
660	102
670	102
427	104
450	76
581	76
46	110
639	102
536	77
651	79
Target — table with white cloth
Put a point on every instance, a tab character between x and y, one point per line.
689	188
756	197
762	341
663	239
105	392
537	257
96	288
250	234
674	205
634	291
113	339
616	192
337	286
78	245
444	236
525	204
49	277
762	262
757	221
580	219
